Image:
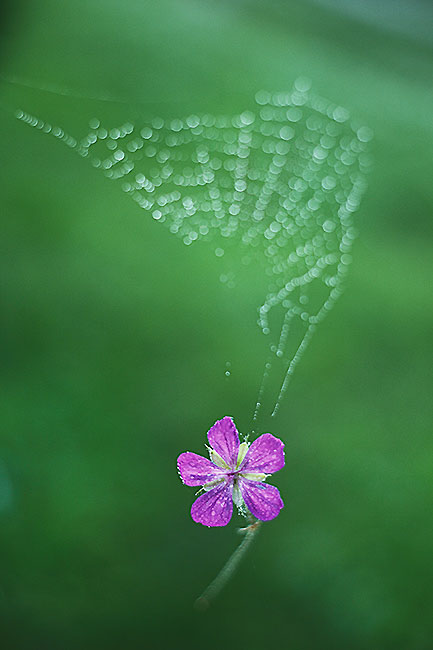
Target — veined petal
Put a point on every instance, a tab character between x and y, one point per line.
265	455
197	470
224	438
214	508
261	499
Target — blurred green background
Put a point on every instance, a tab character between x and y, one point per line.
115	338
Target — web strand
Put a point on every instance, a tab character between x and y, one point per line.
281	183
62	91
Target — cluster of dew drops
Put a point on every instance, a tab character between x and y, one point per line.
283	180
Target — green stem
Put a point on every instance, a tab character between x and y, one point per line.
203	602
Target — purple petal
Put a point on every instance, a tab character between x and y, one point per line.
196	470
261	499
214	508
224	438
265	456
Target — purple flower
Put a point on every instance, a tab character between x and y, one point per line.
234	473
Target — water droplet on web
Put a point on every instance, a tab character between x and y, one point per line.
329	226
228	371
365	134
302	84
286	133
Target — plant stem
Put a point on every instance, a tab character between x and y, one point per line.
203	602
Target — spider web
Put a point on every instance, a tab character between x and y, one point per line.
282	181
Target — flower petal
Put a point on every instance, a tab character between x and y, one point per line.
261	499
265	456
214	508
196	470
224	438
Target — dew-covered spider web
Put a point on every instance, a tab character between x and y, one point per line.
282	181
